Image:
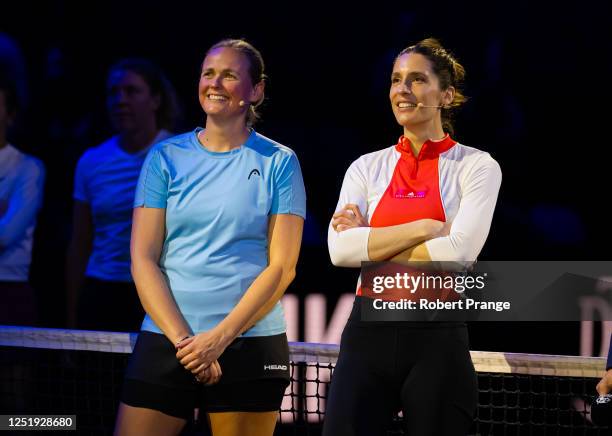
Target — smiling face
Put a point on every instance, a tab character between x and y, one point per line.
225	82
413	81
130	103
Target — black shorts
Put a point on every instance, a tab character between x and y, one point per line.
423	369
255	376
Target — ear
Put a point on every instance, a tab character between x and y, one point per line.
257	95
448	96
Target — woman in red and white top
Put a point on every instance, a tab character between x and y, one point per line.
428	198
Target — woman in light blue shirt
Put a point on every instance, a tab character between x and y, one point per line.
217	228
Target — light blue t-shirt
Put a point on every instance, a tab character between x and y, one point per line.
217	211
105	179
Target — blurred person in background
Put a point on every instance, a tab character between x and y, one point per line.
142	107
21	190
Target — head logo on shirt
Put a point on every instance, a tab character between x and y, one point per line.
254	172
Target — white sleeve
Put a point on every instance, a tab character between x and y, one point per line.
24	202
350	247
470	228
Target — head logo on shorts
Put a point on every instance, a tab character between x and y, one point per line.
253	172
275	367
604	399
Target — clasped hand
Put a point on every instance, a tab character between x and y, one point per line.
199	355
605	384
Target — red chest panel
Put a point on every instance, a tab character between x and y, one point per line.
414	190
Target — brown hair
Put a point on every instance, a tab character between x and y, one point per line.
447	69
256	69
168	111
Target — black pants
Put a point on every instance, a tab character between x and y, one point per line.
423	369
18	304
109	306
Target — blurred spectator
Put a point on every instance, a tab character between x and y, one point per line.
12	65
21	187
101	294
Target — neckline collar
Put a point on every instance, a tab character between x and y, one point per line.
431	147
222	154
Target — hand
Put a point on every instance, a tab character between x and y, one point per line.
347	218
197	353
605	384
445	230
437	229
211	375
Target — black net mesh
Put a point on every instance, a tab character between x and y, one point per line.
58	372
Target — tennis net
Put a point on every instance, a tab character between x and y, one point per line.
53	371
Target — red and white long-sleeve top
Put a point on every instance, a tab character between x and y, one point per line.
447	181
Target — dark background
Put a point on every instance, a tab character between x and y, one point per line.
538	78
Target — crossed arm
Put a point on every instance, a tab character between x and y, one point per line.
199	353
402	242
351	240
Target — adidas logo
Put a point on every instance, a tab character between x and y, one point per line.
404	193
